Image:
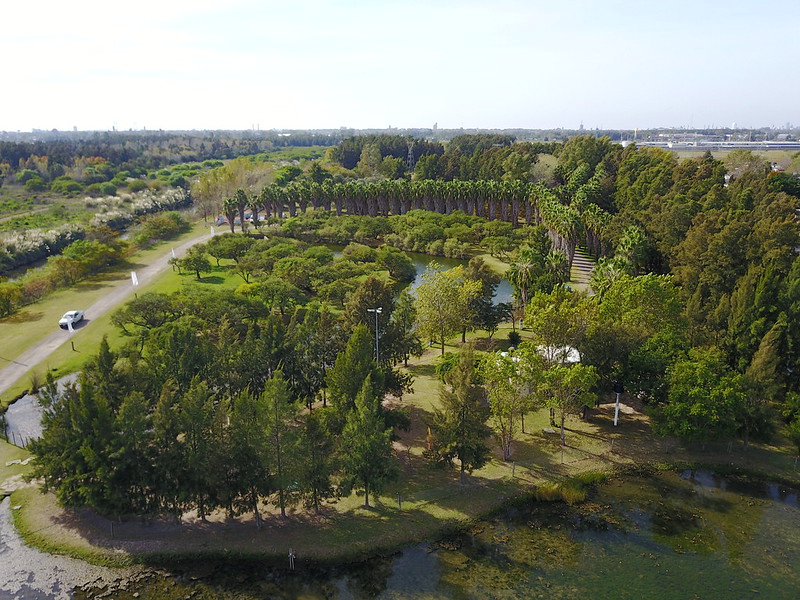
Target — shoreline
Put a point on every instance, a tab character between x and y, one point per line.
346	532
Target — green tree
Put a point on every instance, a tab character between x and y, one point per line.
506	398
280	415
131	453
401	268
315	463
443	302
704	398
197	261
367	459
196	416
352	367
566	389
249	467
458	429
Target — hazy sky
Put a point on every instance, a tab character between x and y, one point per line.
239	64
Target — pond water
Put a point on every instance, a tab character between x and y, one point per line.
671	535
503	293
23	418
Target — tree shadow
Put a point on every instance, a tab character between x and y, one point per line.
23	316
214	280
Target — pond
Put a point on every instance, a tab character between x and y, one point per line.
503	293
693	534
23	418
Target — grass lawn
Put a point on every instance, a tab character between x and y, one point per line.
12	475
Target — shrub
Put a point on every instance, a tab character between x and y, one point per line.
514	338
35	184
66	186
435	248
137	185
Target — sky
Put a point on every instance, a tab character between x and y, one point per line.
321	64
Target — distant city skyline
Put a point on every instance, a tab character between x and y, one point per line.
324	64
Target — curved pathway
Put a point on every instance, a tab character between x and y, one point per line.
118	293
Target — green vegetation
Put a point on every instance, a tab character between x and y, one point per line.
288	390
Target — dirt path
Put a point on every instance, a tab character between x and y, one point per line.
118	294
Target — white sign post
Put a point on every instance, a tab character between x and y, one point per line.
212	231
134	279
173	253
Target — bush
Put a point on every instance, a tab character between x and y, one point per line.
137	185
35	184
66	186
161	226
435	248
359	252
514	338
108	188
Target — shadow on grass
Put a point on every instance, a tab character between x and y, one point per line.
23	316
423	370
213	280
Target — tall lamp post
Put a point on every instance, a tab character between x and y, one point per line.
377	311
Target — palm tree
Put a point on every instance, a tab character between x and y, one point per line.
241	204
229	208
633	248
522	273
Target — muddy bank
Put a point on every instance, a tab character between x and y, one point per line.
29	574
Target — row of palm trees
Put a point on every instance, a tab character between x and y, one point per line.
513	202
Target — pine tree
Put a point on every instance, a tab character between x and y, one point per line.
458	429
367	459
352	367
280	414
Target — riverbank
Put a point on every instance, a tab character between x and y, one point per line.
424	503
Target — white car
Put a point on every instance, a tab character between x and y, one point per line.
72	317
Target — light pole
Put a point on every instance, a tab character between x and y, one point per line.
377	311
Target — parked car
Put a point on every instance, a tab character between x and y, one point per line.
72	317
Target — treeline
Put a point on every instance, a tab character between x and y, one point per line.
567	224
466	157
142	151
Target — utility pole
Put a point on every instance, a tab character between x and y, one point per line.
377	311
